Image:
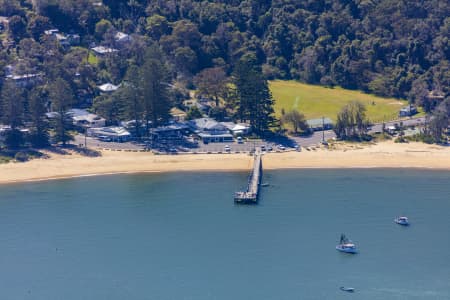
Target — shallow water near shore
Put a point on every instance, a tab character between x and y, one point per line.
179	236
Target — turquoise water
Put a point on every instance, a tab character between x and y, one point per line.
179	236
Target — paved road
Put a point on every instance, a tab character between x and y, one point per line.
316	137
406	122
247	146
95	143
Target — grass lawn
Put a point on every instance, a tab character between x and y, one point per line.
317	101
92	59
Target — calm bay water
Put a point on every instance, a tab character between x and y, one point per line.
179	236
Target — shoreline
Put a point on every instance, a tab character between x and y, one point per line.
384	155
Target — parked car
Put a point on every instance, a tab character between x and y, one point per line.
269	148
263	147
281	147
240	140
227	148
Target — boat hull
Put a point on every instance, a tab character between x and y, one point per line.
346	250
401	222
347	289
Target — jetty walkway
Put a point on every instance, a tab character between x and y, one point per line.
250	196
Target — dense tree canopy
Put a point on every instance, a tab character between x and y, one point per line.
386	47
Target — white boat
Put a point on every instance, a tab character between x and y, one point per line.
402	221
347	289
345	245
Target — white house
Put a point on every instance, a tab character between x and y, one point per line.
108	88
237	129
101	50
25	80
83	118
122	38
113	133
210	131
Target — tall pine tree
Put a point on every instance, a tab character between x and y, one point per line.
62	99
39	136
12	113
255	101
154	86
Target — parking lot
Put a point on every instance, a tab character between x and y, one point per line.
190	145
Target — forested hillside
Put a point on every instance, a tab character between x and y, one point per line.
383	46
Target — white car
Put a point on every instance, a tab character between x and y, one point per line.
227	148
281	147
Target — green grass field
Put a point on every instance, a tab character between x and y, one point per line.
92	59
317	101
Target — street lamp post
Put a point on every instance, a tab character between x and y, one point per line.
323	129
85	138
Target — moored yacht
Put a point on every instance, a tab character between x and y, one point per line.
402	221
345	245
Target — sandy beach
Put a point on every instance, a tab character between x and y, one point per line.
381	155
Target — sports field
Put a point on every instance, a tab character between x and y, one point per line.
317	101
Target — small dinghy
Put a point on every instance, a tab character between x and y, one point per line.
402	221
347	289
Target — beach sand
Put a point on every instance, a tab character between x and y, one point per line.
381	155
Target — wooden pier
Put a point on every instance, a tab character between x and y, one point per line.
250	196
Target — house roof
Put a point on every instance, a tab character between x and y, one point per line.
171	127
120	36
51	31
108	87
103	50
111	131
89	118
207	124
177	112
24	76
408	108
208	135
235	127
436	94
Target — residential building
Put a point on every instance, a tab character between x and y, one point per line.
407	111
170	132
25	80
65	40
177	114
239	129
112	133
122	38
85	119
102	51
210	131
108	88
